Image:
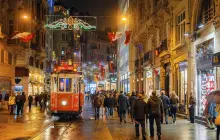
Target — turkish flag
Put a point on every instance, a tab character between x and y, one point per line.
111	36
128	37
27	38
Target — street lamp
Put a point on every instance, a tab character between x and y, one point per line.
124	19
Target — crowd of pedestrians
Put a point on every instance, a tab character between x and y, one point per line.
15	102
156	108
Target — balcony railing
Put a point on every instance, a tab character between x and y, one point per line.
162	47
208	15
147	56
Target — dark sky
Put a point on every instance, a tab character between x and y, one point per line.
105	10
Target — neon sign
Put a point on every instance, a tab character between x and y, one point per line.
70	23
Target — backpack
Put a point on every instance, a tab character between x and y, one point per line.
97	101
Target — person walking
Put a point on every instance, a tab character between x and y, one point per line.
139	113
123	106
36	98
97	104
112	105
18	101
11	103
192	104
23	102
107	105
30	100
154	110
7	95
174	101
166	106
132	99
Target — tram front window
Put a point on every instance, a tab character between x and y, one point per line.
68	84
61	84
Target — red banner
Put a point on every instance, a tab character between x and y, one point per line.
128	37
111	36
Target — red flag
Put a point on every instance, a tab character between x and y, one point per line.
27	38
128	37
111	36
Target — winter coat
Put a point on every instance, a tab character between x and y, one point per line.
174	102
23	99
30	99
155	106
217	109
166	102
97	101
132	100
108	102
18	99
123	102
11	100
7	97
192	102
139	109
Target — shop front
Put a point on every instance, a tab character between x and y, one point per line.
148	82
206	73
157	80
182	86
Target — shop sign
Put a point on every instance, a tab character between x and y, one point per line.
216	59
100	85
149	74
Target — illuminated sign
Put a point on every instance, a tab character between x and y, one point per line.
216	59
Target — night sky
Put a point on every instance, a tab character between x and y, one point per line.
99	8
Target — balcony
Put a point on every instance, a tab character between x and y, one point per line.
147	56
142	61
163	47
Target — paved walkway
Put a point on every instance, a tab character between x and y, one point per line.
89	129
17	127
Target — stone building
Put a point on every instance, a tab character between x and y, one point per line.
173	46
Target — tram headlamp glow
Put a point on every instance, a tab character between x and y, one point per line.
64	103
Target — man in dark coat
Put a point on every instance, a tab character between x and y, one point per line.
18	101
154	110
139	112
30	100
107	105
132	99
97	102
23	102
166	106
123	105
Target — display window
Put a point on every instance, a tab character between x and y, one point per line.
61	84
183	86
206	84
68	84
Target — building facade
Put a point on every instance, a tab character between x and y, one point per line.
173	47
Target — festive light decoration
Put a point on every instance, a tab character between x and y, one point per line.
70	24
60	8
128	37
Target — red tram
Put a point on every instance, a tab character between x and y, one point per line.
67	92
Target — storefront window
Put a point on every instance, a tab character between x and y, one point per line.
61	84
68	84
206	84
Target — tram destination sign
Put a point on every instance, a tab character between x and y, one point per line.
216	59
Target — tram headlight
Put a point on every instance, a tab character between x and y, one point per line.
64	103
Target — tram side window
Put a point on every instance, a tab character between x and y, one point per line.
68	85
61	84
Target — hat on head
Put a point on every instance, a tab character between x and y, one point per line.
154	93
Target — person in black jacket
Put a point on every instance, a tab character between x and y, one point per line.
107	105
166	106
18	101
7	95
139	112
123	106
30	100
132	99
154	110
22	102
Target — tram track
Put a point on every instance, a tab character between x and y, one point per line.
57	124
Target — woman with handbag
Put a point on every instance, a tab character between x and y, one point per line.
192	104
174	101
